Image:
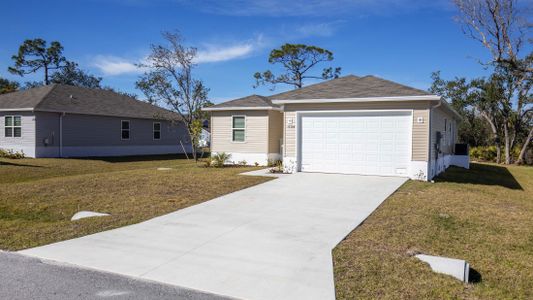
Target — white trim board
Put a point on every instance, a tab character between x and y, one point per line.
362	99
241	108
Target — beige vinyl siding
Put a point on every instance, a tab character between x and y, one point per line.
438	115
275	130
256	132
420	135
420	130
289	141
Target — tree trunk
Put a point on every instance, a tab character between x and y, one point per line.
507	143
524	147
497	141
46	82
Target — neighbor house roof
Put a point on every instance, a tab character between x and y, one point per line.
79	100
252	101
347	87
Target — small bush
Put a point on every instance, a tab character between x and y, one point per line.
8	153
208	162
483	153
273	162
277	167
242	163
220	159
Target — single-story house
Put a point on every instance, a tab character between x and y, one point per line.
354	125
67	121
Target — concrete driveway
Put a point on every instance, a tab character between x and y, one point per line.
271	241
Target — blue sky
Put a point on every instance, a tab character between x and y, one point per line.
400	40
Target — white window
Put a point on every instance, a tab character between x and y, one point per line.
238	128
157	131
13	126
125	128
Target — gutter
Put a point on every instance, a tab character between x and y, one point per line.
362	99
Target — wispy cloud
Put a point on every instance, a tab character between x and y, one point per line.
112	65
318	29
279	8
224	52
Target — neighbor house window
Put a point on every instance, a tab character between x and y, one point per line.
13	126
238	128
157	131
125	126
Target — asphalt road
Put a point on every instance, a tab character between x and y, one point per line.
25	278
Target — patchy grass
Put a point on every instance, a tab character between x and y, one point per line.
39	196
484	215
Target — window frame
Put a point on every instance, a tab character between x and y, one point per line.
154	131
122	130
233	129
13	126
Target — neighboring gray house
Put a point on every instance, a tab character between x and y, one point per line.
67	121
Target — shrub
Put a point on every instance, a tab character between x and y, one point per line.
277	167
208	162
483	153
242	163
8	153
273	162
220	159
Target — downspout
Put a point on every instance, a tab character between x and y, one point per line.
430	137
61	134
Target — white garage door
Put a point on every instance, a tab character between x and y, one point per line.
376	143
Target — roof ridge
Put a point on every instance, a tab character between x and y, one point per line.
53	86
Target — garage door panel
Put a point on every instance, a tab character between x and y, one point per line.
376	144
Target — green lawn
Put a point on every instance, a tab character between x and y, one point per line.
484	215
39	196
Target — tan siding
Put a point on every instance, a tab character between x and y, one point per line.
256	139
275	131
420	135
290	135
420	131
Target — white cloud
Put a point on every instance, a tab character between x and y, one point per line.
113	65
110	65
217	53
318	29
278	8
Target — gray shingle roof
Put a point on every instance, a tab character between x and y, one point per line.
350	86
249	101
78	100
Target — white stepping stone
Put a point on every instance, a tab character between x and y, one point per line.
164	169
87	214
457	268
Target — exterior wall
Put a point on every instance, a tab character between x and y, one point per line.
254	148
438	162
25	143
47	137
275	132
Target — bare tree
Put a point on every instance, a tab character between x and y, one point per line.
170	81
501	28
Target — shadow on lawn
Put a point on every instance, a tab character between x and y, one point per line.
122	159
481	174
5	163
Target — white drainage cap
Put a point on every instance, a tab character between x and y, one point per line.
457	268
87	214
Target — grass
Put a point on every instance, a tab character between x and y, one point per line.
39	196
483	215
